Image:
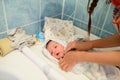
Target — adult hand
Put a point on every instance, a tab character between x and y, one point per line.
70	59
77	45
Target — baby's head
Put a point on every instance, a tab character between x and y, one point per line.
56	49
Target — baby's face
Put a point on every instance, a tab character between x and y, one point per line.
56	49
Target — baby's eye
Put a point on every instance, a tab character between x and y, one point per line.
55	47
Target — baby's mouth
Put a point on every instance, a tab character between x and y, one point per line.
62	57
57	54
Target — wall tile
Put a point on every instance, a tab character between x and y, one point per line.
69	7
30	14
99	13
66	17
50	8
83	26
32	29
3	35
105	34
77	23
81	10
108	24
98	17
95	31
20	12
2	20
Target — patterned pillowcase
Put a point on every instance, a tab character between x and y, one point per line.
60	29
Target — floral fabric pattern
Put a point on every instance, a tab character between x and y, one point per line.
60	29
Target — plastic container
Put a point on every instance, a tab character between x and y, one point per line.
40	36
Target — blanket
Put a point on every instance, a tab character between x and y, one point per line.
5	46
63	32
91	70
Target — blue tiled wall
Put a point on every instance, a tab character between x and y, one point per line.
30	14
101	18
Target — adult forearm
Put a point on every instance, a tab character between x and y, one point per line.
112	41
110	58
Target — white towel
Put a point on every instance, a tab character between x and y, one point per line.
90	70
47	69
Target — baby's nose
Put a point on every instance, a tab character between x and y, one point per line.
55	51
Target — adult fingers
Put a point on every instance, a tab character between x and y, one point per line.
69	47
64	66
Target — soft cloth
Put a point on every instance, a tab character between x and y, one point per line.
5	46
92	71
57	28
19	38
46	68
46	52
60	41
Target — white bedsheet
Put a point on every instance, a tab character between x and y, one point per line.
67	75
16	66
112	74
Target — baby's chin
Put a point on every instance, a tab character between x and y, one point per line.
60	57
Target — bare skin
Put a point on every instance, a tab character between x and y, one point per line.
111	41
109	58
73	57
56	49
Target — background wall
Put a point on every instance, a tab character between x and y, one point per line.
30	14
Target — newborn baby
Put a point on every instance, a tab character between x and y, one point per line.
55	49
91	70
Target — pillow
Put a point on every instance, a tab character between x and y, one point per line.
57	28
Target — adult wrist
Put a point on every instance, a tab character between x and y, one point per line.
91	44
82	56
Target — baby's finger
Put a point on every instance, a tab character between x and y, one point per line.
61	63
68	68
65	67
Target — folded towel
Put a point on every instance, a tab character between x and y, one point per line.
5	46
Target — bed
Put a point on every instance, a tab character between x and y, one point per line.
20	65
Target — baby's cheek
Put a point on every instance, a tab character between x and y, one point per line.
55	56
